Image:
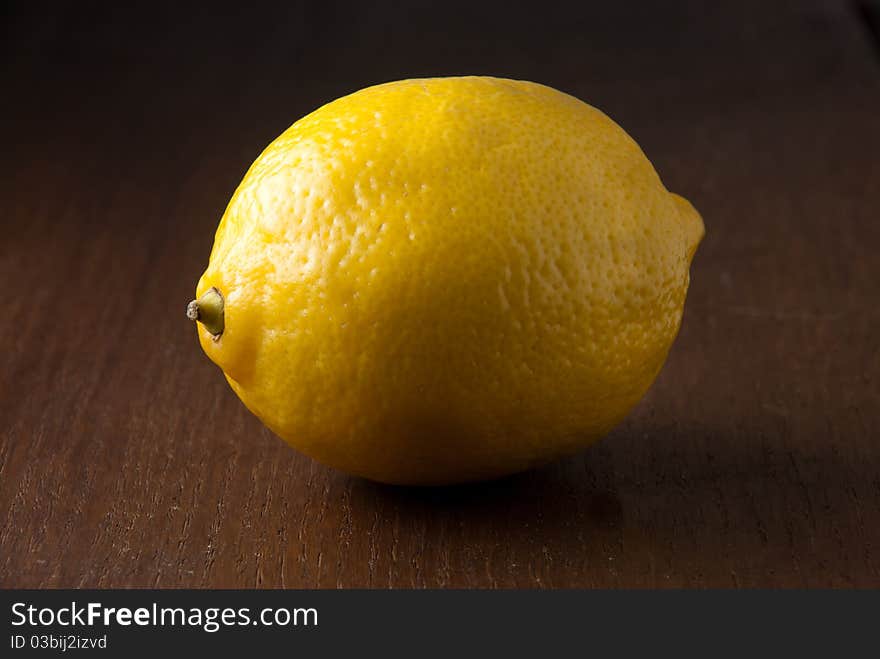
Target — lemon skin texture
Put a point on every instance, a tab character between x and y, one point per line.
442	280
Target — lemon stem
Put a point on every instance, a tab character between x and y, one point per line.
208	310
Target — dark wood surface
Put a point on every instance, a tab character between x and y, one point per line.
125	460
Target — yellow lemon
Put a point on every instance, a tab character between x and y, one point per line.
441	280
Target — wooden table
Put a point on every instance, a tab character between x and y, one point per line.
125	460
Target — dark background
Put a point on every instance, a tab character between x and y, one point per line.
125	459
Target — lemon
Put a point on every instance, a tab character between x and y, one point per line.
441	280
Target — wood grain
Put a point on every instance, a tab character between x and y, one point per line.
126	461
